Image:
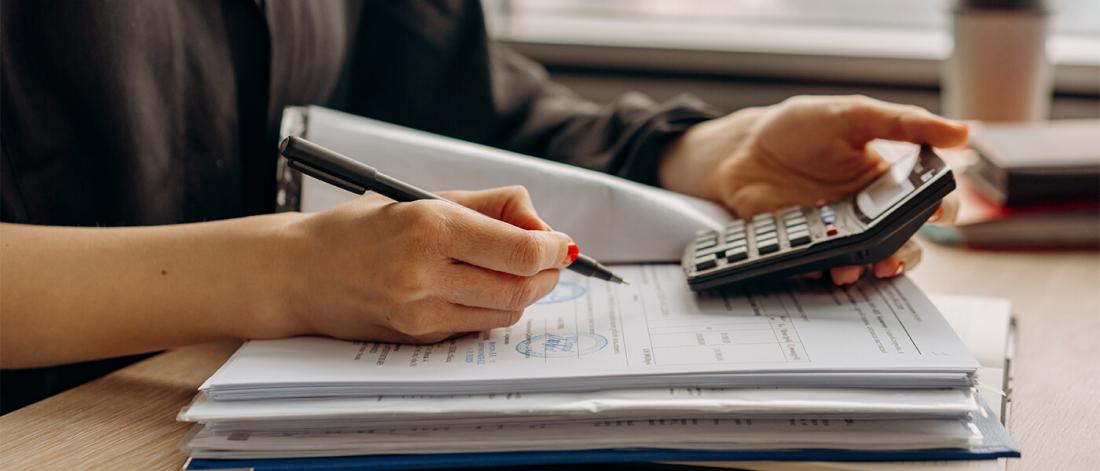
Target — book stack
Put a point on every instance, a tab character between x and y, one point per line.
1034	185
600	373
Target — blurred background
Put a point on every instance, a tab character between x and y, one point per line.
737	53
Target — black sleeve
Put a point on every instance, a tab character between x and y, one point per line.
430	65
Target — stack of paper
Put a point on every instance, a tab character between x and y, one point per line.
597	372
314	397
590	335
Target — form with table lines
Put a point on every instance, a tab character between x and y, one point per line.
592	334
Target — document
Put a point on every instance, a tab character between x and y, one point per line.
983	324
378	411
655	332
681	434
615	220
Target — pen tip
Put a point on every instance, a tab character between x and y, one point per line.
616	279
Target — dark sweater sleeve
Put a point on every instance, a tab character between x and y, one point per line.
431	66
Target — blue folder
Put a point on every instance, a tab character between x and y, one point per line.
995	444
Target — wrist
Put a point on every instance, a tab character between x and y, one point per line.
274	310
690	164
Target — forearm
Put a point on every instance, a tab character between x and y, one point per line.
73	294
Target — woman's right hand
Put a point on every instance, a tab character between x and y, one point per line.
419	272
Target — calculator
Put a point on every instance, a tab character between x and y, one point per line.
864	228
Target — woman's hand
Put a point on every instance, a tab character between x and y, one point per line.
423	271
798	152
368	270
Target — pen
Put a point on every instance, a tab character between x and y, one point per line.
339	170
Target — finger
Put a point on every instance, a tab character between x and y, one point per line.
477	287
455	318
906	258
948	211
870	119
511	204
499	246
846	275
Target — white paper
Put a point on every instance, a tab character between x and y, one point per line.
680	434
590	335
615	220
361	412
981	322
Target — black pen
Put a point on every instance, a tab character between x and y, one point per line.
339	170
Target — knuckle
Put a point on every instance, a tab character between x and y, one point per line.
518	192
408	285
514	317
797	100
425	224
510	317
427	213
523	294
527	254
415	326
427	339
858	99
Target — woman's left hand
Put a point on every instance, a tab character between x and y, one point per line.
800	151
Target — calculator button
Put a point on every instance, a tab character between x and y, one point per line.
767	246
736	255
726	248
738	224
762	217
797	227
710	251
705	263
765	234
736	239
705	243
830	231
798	238
739	239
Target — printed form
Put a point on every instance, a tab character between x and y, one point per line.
611	335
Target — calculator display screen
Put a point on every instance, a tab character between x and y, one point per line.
905	176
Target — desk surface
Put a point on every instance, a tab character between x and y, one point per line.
126	420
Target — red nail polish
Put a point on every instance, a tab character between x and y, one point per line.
936	215
574	252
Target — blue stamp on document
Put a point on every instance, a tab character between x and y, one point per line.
565	291
562	346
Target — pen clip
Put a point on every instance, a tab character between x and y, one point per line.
325	176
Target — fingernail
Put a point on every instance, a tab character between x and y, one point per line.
572	254
936	215
901	268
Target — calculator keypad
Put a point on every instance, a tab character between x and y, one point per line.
765	234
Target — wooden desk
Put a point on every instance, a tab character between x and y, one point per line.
127	420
